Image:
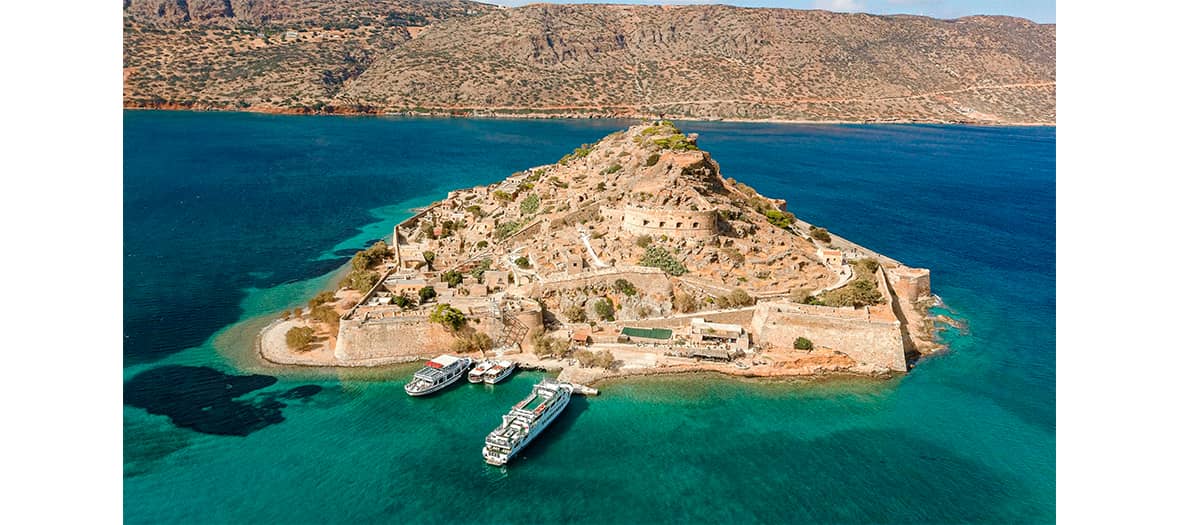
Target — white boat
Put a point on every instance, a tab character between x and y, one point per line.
476	375
526	420
499	371
437	374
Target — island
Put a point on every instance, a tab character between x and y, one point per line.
633	255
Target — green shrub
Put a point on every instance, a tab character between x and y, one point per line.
426	293
601	186
802	343
452	277
402	301
779	218
652	160
506	228
429	257
658	257
484	265
300	338
470	340
575	314
858	293
605	310
325	314
503	197
522	262
739	297
476	211
677	142
643	241
321	298
481	245
625	287
820	234
448	316
530	204
361	281
613	169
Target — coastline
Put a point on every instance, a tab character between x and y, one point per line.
368	112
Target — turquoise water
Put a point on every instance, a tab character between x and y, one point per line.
232	217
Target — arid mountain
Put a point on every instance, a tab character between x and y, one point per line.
705	61
266	55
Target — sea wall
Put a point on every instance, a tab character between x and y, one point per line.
742	316
865	337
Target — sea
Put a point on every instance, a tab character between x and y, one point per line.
231	218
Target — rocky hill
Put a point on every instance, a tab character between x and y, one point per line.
263	55
707	61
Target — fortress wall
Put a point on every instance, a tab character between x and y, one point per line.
646	279
410	336
868	341
910	283
673	223
742	316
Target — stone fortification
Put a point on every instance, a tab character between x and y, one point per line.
854	332
681	223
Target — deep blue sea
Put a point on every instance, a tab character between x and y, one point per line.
230	218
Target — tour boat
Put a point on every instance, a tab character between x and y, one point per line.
498	372
437	374
526	420
476	375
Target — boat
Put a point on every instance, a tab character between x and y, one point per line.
476	374
437	374
499	371
526	420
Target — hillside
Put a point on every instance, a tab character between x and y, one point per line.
615	60
265	55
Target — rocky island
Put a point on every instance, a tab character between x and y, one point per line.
632	255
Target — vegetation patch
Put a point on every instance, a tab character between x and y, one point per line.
299	338
658	257
448	316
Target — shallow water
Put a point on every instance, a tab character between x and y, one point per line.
232	217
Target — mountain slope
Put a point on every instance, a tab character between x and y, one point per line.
720	61
269	55
706	61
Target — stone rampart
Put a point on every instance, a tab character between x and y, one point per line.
867	339
742	316
695	224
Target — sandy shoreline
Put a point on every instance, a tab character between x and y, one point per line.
585	116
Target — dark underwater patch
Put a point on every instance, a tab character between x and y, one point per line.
210	401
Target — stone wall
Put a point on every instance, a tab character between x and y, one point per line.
741	316
697	224
910	283
406	336
852	332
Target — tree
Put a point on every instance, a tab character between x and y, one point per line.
299	338
471	340
605	310
426	293
321	298
625	287
802	343
684	303
361	280
361	261
575	314
428	256
402	301
448	316
326	314
522	261
452	277
604	359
